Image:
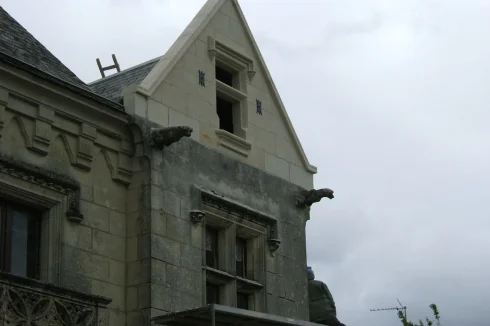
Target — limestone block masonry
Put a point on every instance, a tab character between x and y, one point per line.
165	272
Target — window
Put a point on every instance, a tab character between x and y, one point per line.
224	109
19	240
224	76
211	248
234	261
212	293
241	257
242	300
230	99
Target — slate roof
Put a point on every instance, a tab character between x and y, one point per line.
18	43
111	87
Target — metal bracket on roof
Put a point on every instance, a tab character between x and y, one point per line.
114	66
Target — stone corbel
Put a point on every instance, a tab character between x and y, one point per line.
85	154
42	130
273	239
124	170
197	216
73	213
273	245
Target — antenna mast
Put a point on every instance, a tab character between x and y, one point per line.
401	307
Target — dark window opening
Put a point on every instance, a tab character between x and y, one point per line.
211	248
224	76
225	114
242	300
20	231
212	293
241	257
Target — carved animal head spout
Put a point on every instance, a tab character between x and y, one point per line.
164	137
309	197
326	192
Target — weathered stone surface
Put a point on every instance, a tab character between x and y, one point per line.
183	279
165	249
86	263
109	245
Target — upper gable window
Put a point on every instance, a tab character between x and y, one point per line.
225	76
233	71
230	104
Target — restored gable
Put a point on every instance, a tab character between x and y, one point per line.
214	80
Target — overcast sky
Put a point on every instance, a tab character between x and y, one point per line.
391	100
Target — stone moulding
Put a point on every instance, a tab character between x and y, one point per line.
233	142
213	199
47	179
29	302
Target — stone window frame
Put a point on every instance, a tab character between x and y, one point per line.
243	66
234	219
55	195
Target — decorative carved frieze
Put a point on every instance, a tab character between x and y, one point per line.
29	302
39	124
86	139
230	206
47	179
42	130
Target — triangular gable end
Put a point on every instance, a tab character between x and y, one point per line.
167	62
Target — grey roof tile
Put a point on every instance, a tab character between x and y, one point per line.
17	42
111	87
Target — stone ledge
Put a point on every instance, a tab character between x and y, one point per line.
229	93
233	142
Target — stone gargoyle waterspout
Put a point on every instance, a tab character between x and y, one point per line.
164	137
307	198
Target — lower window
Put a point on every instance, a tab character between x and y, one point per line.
212	293
20	230
242	300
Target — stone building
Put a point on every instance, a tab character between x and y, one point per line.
175	185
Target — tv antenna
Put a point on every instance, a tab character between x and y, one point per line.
401	307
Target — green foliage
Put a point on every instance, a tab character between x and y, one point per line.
429	322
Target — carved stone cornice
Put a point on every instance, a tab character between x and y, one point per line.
29	302
47	179
213	199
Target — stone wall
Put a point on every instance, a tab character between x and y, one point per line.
181	100
175	243
47	129
133	240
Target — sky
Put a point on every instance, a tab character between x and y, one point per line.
390	99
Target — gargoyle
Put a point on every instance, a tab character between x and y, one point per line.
307	198
164	137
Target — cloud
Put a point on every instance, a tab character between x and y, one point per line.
390	100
